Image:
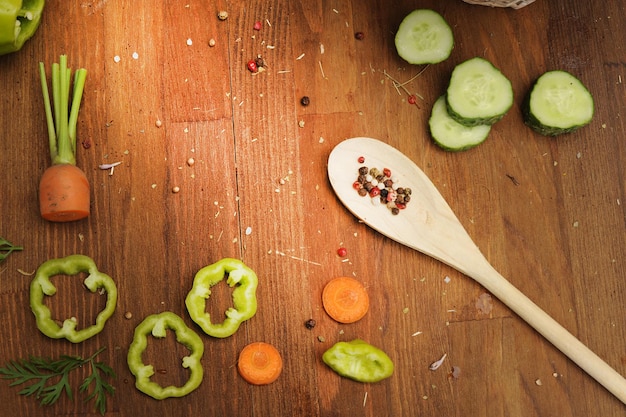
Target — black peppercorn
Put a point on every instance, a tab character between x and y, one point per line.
309	324
359	36
305	101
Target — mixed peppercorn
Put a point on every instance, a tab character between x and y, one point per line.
382	187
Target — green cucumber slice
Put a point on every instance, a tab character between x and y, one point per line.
558	103
478	93
424	37
450	135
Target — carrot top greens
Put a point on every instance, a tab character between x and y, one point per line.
60	118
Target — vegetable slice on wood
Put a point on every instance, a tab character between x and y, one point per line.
64	188
260	363
345	299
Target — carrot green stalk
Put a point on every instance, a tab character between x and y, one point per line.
64	188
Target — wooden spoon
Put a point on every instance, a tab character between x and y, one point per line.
429	225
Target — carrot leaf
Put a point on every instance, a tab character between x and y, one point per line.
61	112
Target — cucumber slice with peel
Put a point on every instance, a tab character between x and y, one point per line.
450	135
424	37
478	93
558	103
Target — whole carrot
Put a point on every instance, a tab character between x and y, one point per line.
64	188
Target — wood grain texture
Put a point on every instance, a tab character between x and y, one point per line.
547	213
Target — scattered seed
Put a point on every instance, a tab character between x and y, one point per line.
191	161
117	58
301	123
252	66
189	42
135	55
128	315
158	123
435	365
222	15
211	42
176	189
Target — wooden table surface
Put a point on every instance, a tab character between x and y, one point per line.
549	214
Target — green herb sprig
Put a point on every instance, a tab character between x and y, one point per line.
6	248
50	378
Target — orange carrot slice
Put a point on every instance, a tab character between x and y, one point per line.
345	299
64	193
260	363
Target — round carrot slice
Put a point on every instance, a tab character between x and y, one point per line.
345	299
260	363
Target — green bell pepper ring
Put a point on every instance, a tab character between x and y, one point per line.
359	361
41	286
244	307
18	22
157	325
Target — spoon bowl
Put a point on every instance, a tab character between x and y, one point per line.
429	225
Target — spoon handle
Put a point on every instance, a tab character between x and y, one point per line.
488	277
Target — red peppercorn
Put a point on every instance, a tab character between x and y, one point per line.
257	25
412	99
401	206
252	66
361	159
357	185
342	252
387	172
374	192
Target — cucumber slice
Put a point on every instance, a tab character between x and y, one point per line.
478	93
424	37
451	135
558	103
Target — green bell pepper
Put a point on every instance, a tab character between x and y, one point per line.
244	307
18	22
157	325
41	286
359	361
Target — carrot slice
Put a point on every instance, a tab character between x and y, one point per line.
345	299
64	193
260	363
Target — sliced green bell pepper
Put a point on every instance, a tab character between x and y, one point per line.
18	22
244	307
41	286
157	325
359	361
